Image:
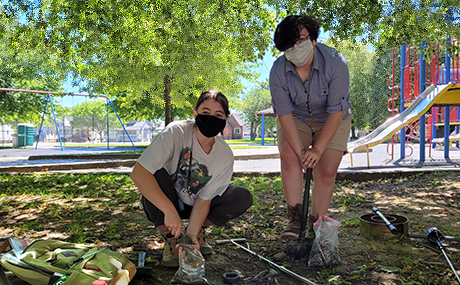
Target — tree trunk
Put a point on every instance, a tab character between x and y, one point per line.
254	128
167	98
353	133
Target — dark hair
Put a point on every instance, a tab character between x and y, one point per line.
288	31
216	95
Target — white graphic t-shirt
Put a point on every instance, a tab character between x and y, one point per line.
195	173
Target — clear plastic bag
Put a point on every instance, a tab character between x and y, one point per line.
191	264
325	249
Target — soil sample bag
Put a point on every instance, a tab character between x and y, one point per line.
191	264
325	249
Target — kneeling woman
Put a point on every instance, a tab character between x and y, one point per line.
185	174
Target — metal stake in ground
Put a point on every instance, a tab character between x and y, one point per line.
435	236
279	267
301	247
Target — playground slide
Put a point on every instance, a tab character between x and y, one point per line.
448	94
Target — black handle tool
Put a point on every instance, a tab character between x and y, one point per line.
392	228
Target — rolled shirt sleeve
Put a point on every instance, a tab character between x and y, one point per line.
339	86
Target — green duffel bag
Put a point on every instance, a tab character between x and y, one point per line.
82	264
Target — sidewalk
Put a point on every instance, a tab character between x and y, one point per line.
263	160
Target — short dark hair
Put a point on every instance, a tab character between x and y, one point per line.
216	95
288	31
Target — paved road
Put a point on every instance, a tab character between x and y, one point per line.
262	160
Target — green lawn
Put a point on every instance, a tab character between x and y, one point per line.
234	144
248	141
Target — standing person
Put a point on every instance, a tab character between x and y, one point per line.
309	85
185	174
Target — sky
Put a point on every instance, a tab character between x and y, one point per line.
70	101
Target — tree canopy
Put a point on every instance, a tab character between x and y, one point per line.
28	70
359	58
384	24
169	48
369	75
161	54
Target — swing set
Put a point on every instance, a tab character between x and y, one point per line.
48	99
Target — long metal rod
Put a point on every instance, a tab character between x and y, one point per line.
113	108
41	124
47	92
55	123
448	261
282	268
107	113
305	205
452	238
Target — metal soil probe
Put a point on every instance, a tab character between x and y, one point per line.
301	247
279	267
435	236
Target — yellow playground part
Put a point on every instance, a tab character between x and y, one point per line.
448	94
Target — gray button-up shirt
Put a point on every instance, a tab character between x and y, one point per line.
326	91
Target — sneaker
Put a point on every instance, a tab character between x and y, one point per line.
293	229
170	255
205	248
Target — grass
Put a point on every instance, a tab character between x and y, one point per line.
104	144
98	208
248	141
140	147
74	202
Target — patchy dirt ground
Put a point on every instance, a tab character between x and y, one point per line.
427	200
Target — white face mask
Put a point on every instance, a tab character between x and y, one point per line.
300	54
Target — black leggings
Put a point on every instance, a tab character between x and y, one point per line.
233	202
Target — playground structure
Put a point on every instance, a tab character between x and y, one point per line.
429	98
49	99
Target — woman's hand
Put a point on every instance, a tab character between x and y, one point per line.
311	157
196	244
174	224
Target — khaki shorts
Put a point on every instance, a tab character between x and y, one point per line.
339	141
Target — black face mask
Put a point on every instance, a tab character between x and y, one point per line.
209	125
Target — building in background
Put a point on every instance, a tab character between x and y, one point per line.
6	133
139	131
234	128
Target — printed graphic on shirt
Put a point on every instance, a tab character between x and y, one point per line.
198	173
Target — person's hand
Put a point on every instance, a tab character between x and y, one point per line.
196	244
301	158
174	224
189	240
311	157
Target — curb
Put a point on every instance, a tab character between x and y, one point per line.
136	156
87	156
359	175
125	167
118	165
68	166
123	160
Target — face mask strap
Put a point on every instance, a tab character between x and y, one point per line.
190	166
